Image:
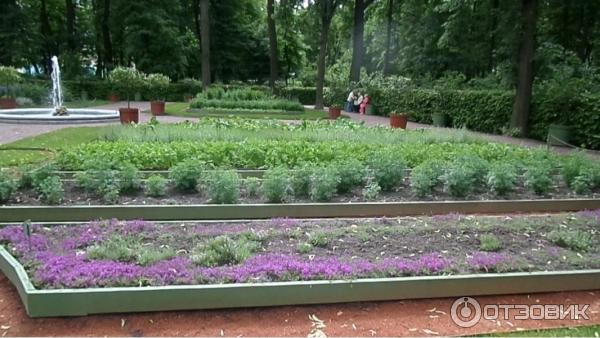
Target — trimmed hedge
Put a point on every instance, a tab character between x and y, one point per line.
306	95
490	111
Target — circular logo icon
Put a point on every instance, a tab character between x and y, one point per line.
465	312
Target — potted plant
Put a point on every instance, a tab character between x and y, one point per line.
398	120
127	81
440	119
158	85
8	76
335	112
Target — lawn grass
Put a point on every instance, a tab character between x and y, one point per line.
582	331
47	144
182	109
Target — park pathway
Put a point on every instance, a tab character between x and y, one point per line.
14	132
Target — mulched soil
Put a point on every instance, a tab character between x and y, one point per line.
76	196
428	317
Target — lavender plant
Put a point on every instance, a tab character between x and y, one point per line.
501	178
185	174
426	176
388	170
538	178
277	185
222	186
156	186
323	184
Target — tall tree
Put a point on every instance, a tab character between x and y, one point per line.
47	38
358	38
273	55
205	41
326	11
387	60
520	115
106	37
70	22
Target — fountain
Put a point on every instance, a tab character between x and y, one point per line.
58	113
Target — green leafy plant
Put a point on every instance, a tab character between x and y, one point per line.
490	243
126	80
426	176
129	178
572	166
301	179
323	184
459	180
222	186
388	170
156	186
351	173
277	185
538	178
101	180
577	240
223	250
319	239
185	175
157	85
252	186
51	190
501	178
304	248
8	185
371	190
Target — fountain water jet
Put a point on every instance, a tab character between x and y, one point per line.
58	114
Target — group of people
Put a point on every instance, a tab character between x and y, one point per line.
357	102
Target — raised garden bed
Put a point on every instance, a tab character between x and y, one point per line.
112	266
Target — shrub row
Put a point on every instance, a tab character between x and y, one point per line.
270	104
259	154
490	111
305	95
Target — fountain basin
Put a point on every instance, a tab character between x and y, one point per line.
44	116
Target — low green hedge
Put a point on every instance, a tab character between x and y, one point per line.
269	104
306	95
490	111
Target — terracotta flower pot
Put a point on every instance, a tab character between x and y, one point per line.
334	112
157	107
129	115
113	98
188	98
398	121
8	103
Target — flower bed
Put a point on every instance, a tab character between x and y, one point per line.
139	253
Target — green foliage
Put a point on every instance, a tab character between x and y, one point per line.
320	239
9	76
576	240
51	190
157	85
387	169
571	167
130	250
351	174
301	179
32	177
252	186
466	174
501	178
129	178
270	104
222	186
426	176
305	95
538	178
277	185
8	185
236	94
323	184
185	175
490	243
223	250
101	180
156	186
126	81
371	190
304	248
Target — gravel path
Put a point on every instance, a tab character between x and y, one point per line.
14	132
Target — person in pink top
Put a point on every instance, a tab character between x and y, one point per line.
365	102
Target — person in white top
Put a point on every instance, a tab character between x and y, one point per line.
350	101
357	101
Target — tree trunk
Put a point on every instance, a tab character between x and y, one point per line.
106	39
46	32
325	25
387	60
493	27
520	116
205	41
358	32
70	21
272	43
